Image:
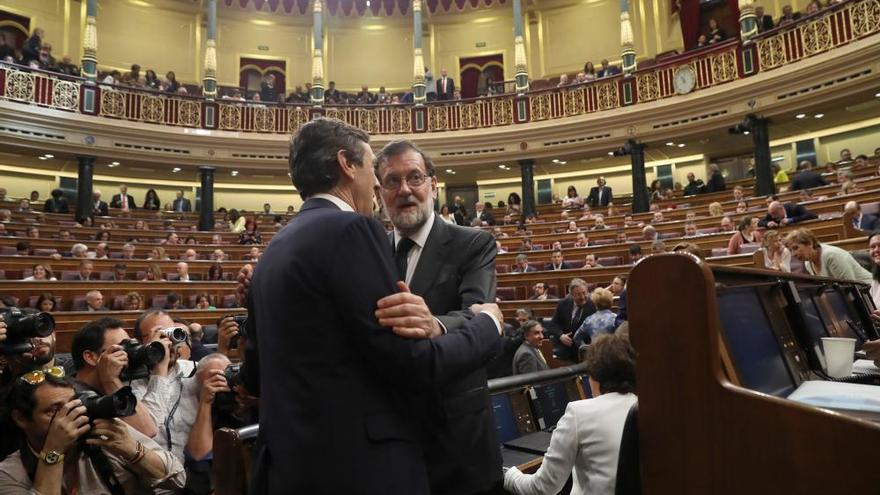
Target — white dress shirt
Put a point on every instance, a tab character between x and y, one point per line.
585	444
342	205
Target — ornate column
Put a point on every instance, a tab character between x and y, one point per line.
90	44
209	80
527	172
206	205
318	54
419	89
519	50
626	39
748	22
84	187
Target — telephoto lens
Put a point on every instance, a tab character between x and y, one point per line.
21	327
116	405
141	358
177	335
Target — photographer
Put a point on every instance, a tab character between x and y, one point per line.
100	359
113	458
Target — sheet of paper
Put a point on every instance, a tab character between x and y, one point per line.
835	395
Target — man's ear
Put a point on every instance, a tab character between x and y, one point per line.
346	167
433	179
20	420
91	358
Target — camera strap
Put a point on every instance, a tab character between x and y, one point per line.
170	418
104	469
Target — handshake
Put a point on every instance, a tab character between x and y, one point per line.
408	316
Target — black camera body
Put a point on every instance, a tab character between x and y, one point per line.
225	401
141	358
241	321
119	404
21	327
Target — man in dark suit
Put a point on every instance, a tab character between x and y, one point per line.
607	70
600	195
765	22
57	203
451	267
483	215
521	265
806	178
528	357
445	86
779	214
570	314
99	208
716	180
860	220
180	203
123	200
557	262
694	186
334	383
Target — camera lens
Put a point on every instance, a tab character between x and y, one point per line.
44	324
176	334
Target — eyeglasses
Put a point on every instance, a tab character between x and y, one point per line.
393	183
37	377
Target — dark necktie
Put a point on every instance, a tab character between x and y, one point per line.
576	318
400	256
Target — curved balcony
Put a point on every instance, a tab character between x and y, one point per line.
762	65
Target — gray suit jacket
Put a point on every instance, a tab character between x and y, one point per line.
457	269
527	360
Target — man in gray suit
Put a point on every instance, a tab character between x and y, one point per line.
528	357
450	268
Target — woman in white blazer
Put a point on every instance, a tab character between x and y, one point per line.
586	441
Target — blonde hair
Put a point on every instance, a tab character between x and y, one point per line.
715	209
602	298
769	236
802	236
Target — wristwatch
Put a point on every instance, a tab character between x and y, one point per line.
51	457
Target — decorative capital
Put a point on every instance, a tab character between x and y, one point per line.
317	67
626	33
417	5
418	66
211	57
90	37
317	7
519	54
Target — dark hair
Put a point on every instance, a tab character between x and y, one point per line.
635	249
399	147
215	268
876	268
45	296
234	215
20	396
91	338
136	331
313	163
611	361
744	223
528	326
56	193
513	199
101	233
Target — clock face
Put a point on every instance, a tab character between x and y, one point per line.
685	80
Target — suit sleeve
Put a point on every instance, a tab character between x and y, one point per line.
525	363
364	273
477	283
800	213
764	221
610	196
592	198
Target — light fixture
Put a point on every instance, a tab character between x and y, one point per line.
800	116
47	155
368	3
562	162
670	143
746	133
681	145
175	169
819	115
115	164
450	171
234	173
43	158
610	153
877	95
501	166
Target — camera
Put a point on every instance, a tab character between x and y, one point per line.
21	326
225	401
116	405
141	358
177	335
241	321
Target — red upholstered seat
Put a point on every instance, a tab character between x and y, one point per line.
506	293
229	301
159	302
749	248
719	251
69	275
78	304
45	252
502	268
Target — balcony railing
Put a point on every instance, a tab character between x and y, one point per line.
718	64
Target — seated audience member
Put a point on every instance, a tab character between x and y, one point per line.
715	209
586	214
446	216
563	81
499	249
24	206
658	247
153	273
540	292
572	227
582	241
591	262
847	183
806	178
742	207
824	259
86	270
33	232
690	229
572	199
746	233
204	302
95	301
689	247
22	248
715	33
218	255
250	235
716	180
190	255
599	222
618	284
621	237
694	186
183	272
570	313
738	193
79	251
557	262
172	301
41	272
157	254
102	251
776	255
46	302
602	321
133	301
253	255
172	239
845	156
521	265
629	222
649	233
53	423
586	442
861	221
237	221
788	16
874	252
726	224
779	214
528	357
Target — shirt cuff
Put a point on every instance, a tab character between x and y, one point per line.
494	320
442	326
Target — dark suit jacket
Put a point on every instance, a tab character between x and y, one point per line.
869	223
562	324
187	206
100	210
450	89
564	266
793	211
116	201
455	270
484	216
765	24
526	360
695	187
716	183
806	179
335	387
530	268
593	198
56	206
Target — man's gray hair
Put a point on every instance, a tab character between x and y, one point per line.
577	282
